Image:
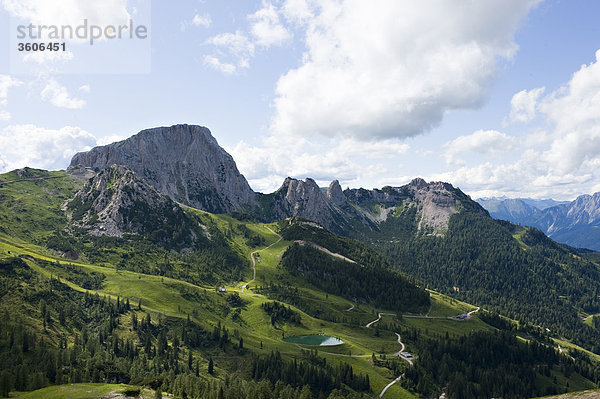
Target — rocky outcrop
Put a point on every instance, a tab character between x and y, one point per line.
436	202
184	162
359	209
335	194
306	200
117	201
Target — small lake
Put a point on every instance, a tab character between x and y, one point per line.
314	340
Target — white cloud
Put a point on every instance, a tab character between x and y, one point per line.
561	163
348	160
235	46
266	28
6	82
233	51
298	11
216	64
48	57
110	139
59	96
69	12
489	142
64	13
393	69
85	88
575	106
203	20
29	145
523	105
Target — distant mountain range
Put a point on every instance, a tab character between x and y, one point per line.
575	223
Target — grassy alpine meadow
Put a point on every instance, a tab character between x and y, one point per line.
86	391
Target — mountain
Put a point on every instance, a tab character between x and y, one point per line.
515	210
575	223
540	204
186	163
182	161
117	201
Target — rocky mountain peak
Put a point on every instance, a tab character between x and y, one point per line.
116	201
335	193
304	199
184	162
418	183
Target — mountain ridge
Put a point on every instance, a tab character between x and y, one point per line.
186	163
575	223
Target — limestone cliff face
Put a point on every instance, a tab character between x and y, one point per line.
435	202
335	193
184	162
116	201
306	200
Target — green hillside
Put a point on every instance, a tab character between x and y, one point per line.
210	321
509	269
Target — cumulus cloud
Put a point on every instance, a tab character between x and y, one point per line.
564	162
63	13
6	82
523	105
348	160
30	145
59	96
216	64
203	20
48	57
233	51
488	142
68	12
267	29
386	68
234	46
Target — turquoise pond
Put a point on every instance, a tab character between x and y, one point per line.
314	340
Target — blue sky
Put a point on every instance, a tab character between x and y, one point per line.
497	97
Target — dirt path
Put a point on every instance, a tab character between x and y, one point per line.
324	250
390	384
349	309
401	356
244	285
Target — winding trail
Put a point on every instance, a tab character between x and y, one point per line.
401	356
324	250
244	285
379	318
390	384
349	309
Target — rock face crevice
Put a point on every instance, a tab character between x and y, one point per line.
184	162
